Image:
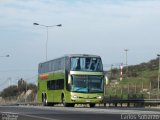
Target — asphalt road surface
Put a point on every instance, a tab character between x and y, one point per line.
76	113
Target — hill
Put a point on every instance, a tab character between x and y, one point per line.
138	81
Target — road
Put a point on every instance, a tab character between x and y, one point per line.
76	113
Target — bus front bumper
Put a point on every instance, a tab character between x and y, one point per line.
76	99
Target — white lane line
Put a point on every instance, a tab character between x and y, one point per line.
31	116
38	117
89	110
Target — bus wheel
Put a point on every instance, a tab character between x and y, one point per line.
92	105
71	105
44	100
63	102
50	104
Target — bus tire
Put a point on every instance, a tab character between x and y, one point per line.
71	105
92	105
63	101
50	104
44	100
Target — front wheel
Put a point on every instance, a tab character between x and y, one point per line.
71	105
92	105
64	102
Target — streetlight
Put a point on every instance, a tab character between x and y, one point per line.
5	56
158	73
126	50
47	26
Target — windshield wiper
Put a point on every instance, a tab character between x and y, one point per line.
97	64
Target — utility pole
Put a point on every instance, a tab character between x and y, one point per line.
126	50
158	73
121	73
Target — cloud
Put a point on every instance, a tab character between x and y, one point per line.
47	10
103	27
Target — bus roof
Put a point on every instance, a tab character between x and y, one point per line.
82	55
72	55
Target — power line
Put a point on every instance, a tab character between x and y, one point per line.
15	81
17	70
31	78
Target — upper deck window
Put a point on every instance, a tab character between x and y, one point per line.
86	64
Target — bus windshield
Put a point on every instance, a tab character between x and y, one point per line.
86	64
87	84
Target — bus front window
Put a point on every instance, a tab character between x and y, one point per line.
86	64
95	83
87	84
79	84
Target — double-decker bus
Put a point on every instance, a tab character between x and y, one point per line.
72	79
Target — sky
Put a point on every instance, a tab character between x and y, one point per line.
100	27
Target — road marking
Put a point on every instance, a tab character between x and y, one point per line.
32	116
9	116
38	117
85	111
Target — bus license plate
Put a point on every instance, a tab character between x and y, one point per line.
88	101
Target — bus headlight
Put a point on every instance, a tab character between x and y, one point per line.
99	97
74	96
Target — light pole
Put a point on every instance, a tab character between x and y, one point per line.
5	56
158	73
126	50
46	26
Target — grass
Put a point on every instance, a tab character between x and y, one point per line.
134	87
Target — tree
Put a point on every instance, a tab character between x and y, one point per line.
10	91
32	87
22	85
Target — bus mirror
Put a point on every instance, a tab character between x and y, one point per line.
106	80
69	79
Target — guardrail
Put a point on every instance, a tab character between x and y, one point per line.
135	102
109	102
